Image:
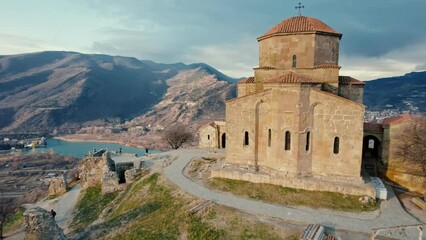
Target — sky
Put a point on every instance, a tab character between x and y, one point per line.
381	38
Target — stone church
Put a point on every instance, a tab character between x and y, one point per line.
296	122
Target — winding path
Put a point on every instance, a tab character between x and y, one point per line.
63	206
391	211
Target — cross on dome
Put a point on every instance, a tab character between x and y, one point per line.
299	7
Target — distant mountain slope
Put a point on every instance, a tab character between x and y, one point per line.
194	98
399	94
66	90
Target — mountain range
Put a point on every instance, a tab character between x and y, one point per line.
67	92
63	91
402	93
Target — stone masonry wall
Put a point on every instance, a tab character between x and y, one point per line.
278	51
208	137
311	184
40	225
336	117
299	110
58	186
91	171
103	170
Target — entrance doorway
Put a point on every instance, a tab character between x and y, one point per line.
223	140
371	154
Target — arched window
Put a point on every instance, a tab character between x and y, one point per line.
269	137
208	137
308	138
287	140
246	138
336	145
371	144
294	61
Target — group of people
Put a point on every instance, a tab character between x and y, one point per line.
146	151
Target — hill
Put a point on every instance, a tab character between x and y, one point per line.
122	98
64	91
395	95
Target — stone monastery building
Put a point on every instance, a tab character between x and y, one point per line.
296	122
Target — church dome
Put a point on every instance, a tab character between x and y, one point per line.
299	24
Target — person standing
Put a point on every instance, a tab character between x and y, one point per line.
146	151
53	213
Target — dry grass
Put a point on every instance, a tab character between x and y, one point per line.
289	196
151	208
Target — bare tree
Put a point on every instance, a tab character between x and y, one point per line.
411	146
177	135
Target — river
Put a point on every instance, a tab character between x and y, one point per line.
79	149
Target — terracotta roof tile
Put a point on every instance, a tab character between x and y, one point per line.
292	77
327	66
300	24
347	80
215	123
373	127
265	67
247	80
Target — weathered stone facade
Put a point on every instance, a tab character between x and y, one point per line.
91	169
101	169
58	186
297	122
40	225
212	135
380	146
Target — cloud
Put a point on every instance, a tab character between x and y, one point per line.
13	44
235	60
420	67
380	38
396	62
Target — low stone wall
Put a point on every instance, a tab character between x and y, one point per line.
311	184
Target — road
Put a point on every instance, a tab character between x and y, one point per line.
391	212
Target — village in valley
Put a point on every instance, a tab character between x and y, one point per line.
296	155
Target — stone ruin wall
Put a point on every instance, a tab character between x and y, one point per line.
58	186
95	170
40	225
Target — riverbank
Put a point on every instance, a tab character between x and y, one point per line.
150	142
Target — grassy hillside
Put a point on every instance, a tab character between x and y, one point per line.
151	208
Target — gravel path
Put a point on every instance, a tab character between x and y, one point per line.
391	211
63	206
